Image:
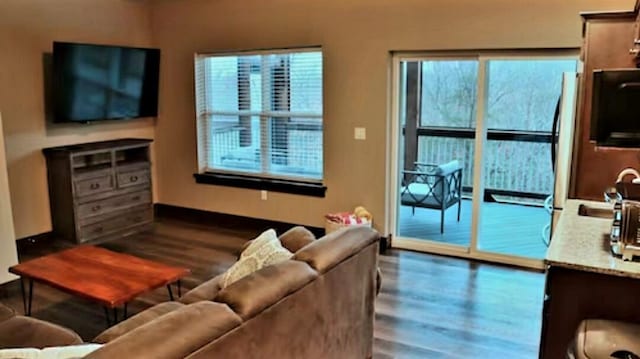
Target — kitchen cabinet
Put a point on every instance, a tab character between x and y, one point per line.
607	40
583	279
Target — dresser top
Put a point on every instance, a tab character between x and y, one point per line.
97	146
582	243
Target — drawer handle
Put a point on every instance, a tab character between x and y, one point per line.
96	208
137	219
94	186
98	230
133	178
136	198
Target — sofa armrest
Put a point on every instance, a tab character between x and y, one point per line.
328	251
26	332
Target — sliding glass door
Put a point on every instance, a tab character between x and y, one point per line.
521	101
438	123
471	153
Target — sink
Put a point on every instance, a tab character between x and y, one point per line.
584	210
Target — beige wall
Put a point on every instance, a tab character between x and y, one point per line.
8	252
27	29
357	37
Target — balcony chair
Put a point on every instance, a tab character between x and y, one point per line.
433	186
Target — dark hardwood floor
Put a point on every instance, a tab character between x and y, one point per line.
429	306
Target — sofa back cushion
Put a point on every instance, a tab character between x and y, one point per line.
136	321
173	335
296	238
328	251
252	294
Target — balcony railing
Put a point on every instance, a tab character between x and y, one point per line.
517	163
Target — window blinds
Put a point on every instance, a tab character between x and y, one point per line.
260	113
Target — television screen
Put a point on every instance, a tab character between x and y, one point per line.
615	115
96	82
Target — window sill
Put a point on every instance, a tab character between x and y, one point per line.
260	183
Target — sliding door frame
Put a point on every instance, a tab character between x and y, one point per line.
393	144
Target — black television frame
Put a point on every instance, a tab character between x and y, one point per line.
151	86
603	127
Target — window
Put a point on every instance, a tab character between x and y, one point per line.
259	115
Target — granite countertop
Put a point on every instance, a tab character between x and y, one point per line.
582	243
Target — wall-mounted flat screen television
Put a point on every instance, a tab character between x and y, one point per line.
98	82
615	112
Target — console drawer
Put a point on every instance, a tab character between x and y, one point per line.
93	185
112	204
134	178
115	224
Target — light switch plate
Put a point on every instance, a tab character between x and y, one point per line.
360	133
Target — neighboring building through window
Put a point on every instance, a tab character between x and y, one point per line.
259	114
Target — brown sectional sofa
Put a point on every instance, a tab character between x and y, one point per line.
319	304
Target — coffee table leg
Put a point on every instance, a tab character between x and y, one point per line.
170	292
107	316
125	311
27	298
112	315
179	289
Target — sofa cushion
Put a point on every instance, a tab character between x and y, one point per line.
174	335
252	294
205	291
296	238
265	250
6	312
27	332
136	321
326	252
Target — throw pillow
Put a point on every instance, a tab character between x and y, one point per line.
263	251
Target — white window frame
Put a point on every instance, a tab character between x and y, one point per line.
264	116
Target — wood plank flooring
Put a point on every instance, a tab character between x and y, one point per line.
505	228
429	306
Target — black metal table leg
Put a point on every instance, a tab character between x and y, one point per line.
30	296
112	315
170	292
24	296
27	297
107	316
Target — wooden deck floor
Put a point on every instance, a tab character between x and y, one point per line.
429	306
505	228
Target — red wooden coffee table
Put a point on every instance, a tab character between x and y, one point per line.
109	278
